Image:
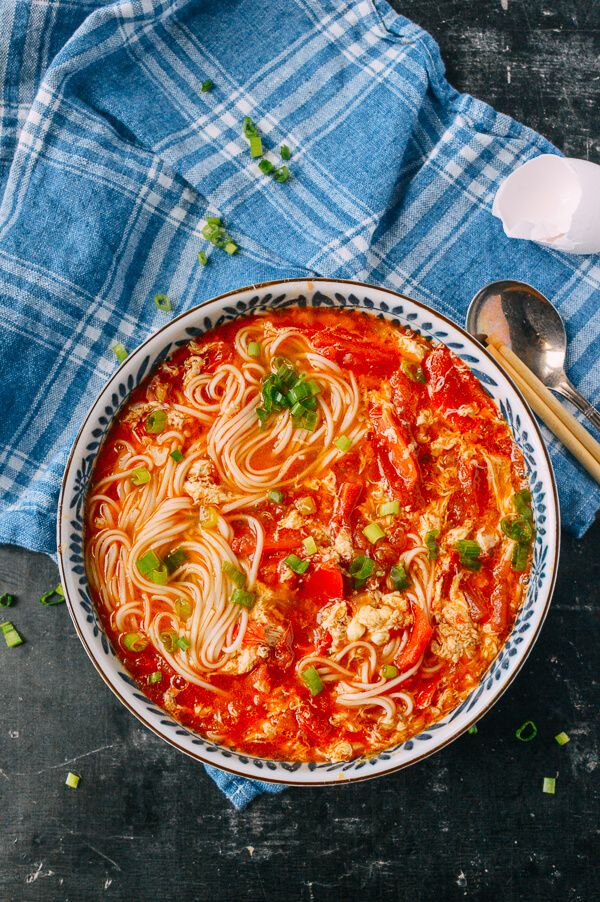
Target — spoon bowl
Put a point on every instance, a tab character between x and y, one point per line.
528	323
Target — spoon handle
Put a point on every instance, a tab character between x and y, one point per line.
568	391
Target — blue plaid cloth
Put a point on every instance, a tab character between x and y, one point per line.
111	157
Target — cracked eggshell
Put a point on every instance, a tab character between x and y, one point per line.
554	201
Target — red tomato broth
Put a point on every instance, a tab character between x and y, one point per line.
399	460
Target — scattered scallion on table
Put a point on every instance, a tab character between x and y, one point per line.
562	738
72	780
285	152
120	351
472	729
53	596
11	635
7	600
206	86
527	731
549	785
163	302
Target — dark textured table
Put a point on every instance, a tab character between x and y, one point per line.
147	824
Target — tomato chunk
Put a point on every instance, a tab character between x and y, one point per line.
452	386
346	501
418	641
356	352
393	440
323	584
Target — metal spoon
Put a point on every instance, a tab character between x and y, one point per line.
525	321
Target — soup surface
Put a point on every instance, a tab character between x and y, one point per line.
308	534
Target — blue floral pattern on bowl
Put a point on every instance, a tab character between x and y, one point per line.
326	293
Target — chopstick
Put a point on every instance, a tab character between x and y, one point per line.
562	423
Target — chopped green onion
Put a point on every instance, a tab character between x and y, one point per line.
399	577
53	596
285	152
134	642
214	221
175	560
343	443
522	503
231	248
202	258
249	128
183	608
389	672
373	532
549	785
310	546
155	677
414	371
276	496
209	517
7	600
243	598
282	174
11	636
163	302
253	349
431	544
206	86
308	421
156	422
169	640
527	731
140	476
468	553
72	780
517	528
236	576
562	738
182	643
256	146
160	576
176	455
389	509
520	556
306	505
296	564
148	562
313	680
266	166
360	570
120	351
472	730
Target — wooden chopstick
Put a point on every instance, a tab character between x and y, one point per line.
563	424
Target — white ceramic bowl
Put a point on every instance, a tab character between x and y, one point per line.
327	293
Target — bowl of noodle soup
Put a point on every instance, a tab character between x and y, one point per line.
309	531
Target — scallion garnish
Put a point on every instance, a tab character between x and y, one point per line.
520	556
215	232
373	532
389	672
305	505
562	738
472	729
231	248
53	596
155	677
293	562
236	576
120	351
399	577
156	422
202	258
310	546
549	786
285	388
253	349
389	509
431	544
135	642
527	731
175	559
343	443
182	643
282	174
183	608
285	152
276	496
253	137
72	780
517	528
206	86
469	553
148	562
313	680
209	517
163	302
11	636
7	600
243	598
176	455
522	503
266	166
169	640
140	476
360	570
414	371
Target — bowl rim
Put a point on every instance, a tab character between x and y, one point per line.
338	778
